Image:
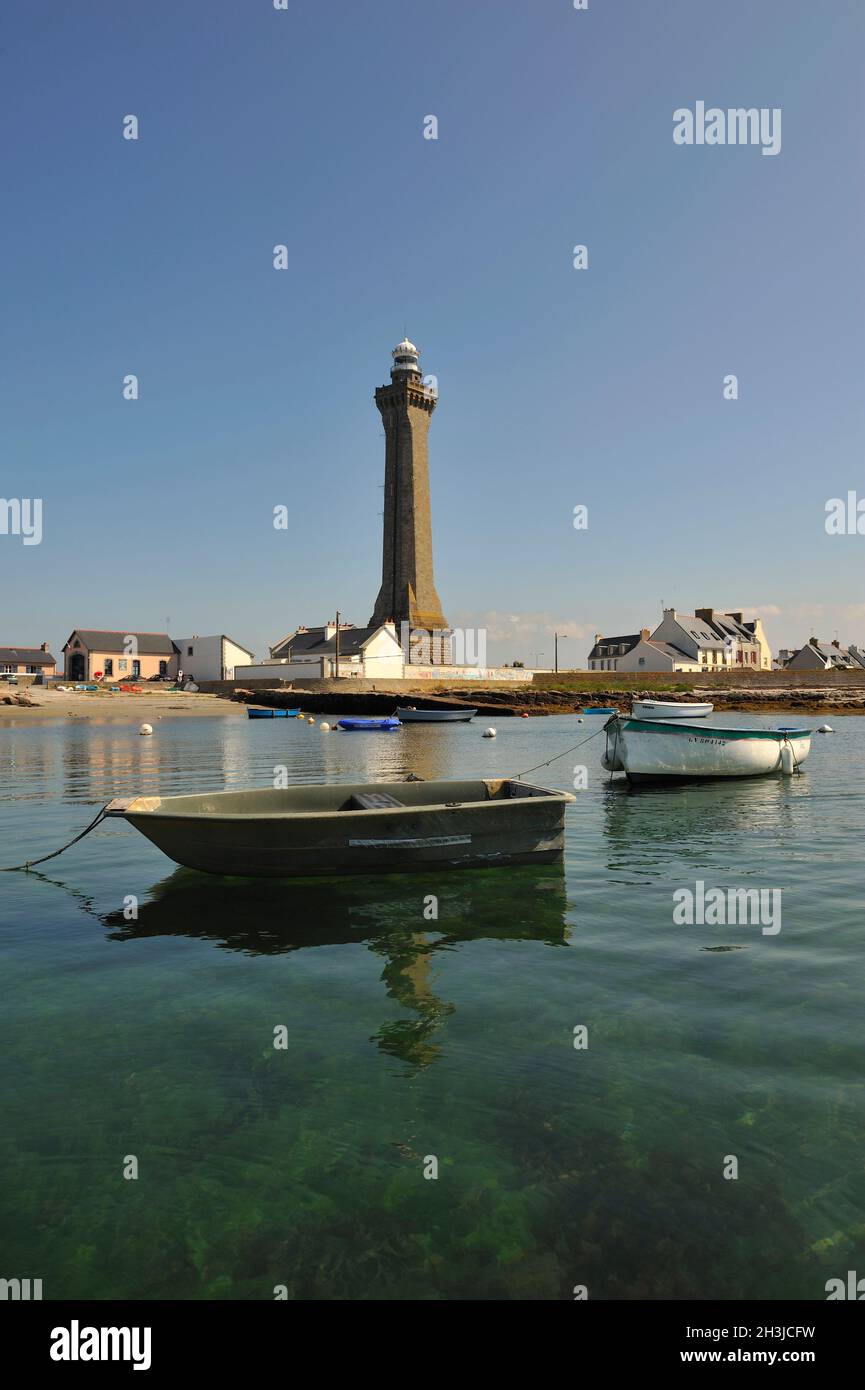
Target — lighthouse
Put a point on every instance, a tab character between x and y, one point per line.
408	592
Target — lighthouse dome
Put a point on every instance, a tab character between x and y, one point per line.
405	357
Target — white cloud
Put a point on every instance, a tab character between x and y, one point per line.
517	627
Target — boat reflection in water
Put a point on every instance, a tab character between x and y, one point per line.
266	917
651	827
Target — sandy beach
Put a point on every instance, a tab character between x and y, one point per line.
146	708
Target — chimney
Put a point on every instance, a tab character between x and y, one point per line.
737	618
836	643
706	614
599	637
44	647
644	634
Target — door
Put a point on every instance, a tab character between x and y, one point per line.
77	667
136	670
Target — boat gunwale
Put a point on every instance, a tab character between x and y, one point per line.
687	726
549	794
412	709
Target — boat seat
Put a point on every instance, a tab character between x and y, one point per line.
372	801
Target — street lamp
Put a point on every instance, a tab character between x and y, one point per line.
538	656
557	636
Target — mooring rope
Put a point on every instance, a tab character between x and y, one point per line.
573	749
29	863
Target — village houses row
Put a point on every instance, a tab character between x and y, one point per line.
709	640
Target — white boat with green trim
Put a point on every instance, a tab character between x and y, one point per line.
669	709
655	749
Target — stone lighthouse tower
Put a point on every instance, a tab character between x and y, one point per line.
408	591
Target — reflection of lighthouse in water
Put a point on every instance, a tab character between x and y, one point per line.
384	914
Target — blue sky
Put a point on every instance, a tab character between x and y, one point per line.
557	387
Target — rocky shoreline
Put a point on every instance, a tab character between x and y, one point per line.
517	701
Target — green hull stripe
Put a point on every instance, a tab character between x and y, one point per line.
657	726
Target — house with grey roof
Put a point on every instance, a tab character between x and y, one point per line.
608	651
638	652
825	656
27	661
741	642
91	654
706	644
317	653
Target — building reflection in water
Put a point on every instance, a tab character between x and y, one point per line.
98	761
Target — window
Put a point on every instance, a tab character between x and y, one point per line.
136	669
109	666
189	651
7	670
163	667
122	664
642	661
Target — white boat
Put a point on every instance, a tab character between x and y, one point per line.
652	749
669	709
410	715
375	827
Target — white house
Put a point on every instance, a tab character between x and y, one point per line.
638	652
698	638
210	658
650	655
310	653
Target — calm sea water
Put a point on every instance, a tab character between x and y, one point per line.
409	1038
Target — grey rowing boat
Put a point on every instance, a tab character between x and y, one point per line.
375	827
410	715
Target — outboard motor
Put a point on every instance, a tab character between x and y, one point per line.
610	760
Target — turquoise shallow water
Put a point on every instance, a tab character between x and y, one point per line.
409	1038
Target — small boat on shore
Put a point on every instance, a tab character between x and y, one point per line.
599	709
410	715
669	709
358	725
374	827
272	713
675	750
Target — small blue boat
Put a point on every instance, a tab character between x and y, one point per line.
359	725
599	709
272	713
